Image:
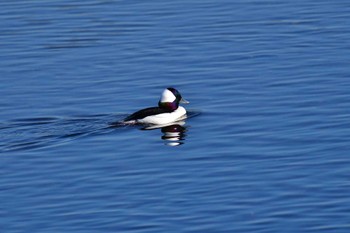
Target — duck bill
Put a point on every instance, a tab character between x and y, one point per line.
184	101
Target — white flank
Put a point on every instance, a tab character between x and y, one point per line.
165	118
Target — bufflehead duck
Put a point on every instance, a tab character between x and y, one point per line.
168	110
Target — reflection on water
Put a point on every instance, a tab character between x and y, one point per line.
173	135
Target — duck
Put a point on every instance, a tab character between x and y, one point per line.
168	110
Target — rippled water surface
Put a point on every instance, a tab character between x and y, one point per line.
266	147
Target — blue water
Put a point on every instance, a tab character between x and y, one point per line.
266	148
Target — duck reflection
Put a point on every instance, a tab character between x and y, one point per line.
173	135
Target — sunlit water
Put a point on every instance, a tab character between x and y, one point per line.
266	147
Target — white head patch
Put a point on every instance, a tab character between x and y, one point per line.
167	96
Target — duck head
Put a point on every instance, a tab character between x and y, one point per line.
170	99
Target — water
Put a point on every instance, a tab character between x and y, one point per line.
267	146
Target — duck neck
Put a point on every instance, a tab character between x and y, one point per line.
171	106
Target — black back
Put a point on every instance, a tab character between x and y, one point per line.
147	112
